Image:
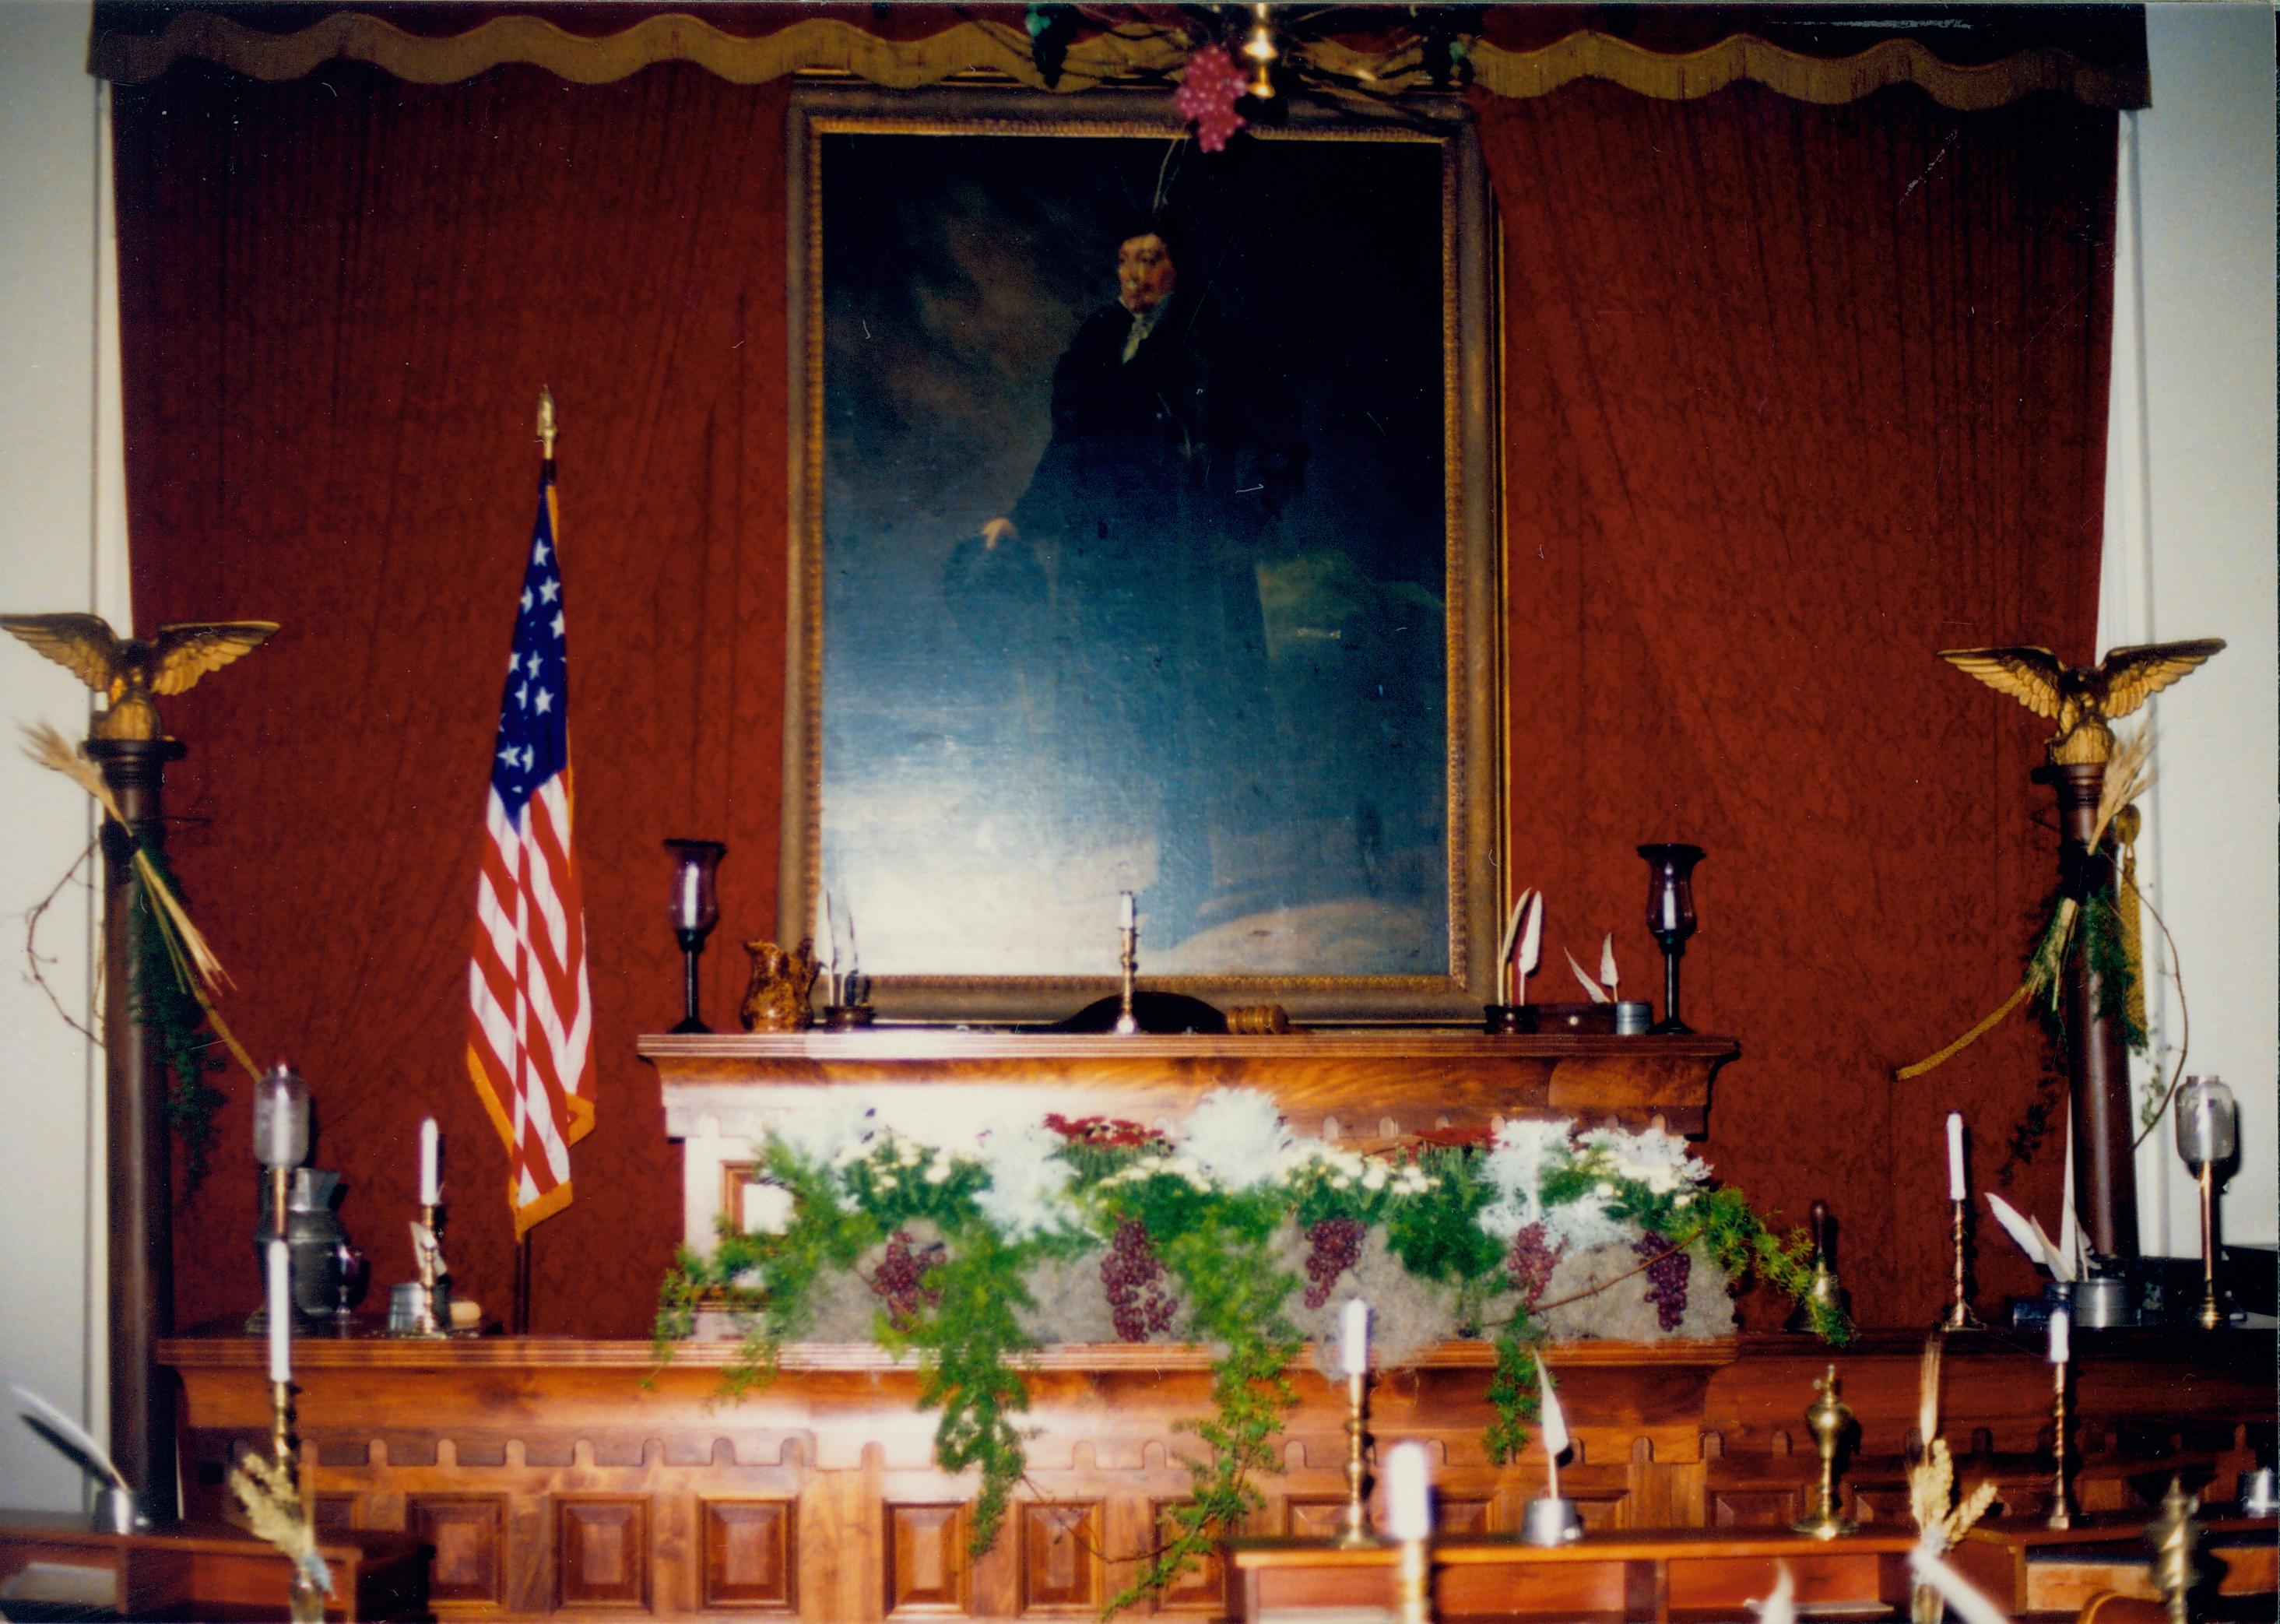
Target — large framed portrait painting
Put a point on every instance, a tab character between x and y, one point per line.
1141	542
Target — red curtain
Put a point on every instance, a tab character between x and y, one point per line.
339	299
1796	397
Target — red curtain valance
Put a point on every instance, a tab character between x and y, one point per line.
1964	57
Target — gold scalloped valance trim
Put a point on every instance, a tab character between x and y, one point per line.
999	50
1829	81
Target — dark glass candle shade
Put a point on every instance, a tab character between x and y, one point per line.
694	908
1671	917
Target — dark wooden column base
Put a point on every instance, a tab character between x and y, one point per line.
2098	1064
141	1252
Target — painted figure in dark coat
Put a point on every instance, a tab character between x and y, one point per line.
1149	505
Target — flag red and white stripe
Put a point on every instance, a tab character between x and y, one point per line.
530	1046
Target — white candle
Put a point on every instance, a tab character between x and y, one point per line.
1129	916
1354	1341
688	898
1408	1501
281	1133
1955	1189
281	1313
2060	1323
430	1191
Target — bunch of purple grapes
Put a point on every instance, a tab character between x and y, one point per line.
1666	1278
1334	1247
897	1280
1528	1264
1139	1297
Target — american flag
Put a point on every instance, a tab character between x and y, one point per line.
530	1045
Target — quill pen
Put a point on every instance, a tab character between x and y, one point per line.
1555	1425
68	1435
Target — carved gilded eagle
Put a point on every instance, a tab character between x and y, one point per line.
129	670
2083	698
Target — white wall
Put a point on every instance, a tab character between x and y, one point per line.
60	476
2190	539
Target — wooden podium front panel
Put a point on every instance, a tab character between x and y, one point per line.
577	1479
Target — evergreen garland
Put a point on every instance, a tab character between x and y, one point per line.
1215	1239
159	997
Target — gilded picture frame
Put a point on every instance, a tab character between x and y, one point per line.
1184	587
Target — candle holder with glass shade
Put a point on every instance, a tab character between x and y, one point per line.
1670	918
280	1144
695	911
2208	1137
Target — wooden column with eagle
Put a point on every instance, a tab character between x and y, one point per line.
126	742
2082	700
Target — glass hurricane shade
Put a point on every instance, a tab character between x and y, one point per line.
1670	891
280	1119
2208	1123
695	906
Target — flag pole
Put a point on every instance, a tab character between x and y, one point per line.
546	431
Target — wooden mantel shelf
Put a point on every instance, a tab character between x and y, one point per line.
1360	1082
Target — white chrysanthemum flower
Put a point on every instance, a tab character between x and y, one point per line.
1238	1134
1375	1179
1579	1225
1656	1159
1028	1179
1525	1147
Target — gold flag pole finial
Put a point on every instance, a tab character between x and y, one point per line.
546	422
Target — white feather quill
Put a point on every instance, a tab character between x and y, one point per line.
2060	1265
2029	1237
1608	978
2078	1246
1781	1606
1599	994
1554	1422
1531	940
68	1435
1510	939
1963	1599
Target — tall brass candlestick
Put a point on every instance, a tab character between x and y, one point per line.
2212	1311
281	1428
2060	1517
1128	960
1412	1587
1960	1317
1354	1527
434	1314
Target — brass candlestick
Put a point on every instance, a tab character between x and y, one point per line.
435	1307
1412	1587
1960	1317
1829	1419
2212	1311
2175	1538
2061	1516
281	1428
1128	960
1354	1529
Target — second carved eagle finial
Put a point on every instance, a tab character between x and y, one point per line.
127	672
2082	699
